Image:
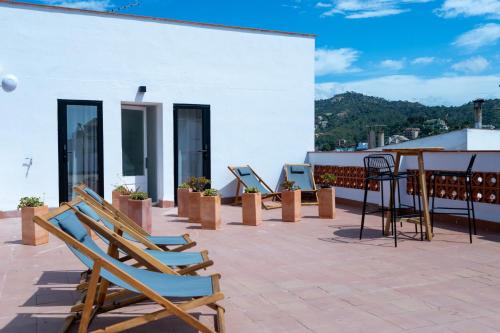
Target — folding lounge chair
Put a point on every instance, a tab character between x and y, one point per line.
175	294
186	262
166	242
248	178
302	176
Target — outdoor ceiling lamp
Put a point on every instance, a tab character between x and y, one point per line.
9	83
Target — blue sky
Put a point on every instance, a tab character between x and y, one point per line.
431	51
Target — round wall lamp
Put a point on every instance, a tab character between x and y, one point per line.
9	83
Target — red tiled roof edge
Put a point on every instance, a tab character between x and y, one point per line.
152	18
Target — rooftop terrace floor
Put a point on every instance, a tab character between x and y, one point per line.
311	276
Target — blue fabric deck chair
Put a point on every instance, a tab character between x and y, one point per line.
183	262
302	176
247	177
174	294
170	243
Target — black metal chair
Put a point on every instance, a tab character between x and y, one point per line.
380	168
467	176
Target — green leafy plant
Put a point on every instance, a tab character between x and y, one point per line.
138	195
29	202
123	189
210	192
184	186
288	185
327	180
251	189
198	184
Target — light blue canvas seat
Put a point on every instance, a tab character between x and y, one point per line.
162	241
302	176
164	284
166	257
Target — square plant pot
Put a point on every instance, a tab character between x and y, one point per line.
210	212
194	210
140	212
183	202
326	203
32	233
115	199
291	205
123	203
252	208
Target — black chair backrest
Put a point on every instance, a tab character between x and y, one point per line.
378	164
471	164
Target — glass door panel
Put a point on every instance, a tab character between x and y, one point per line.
80	146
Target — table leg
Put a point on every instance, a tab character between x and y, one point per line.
423	192
391	203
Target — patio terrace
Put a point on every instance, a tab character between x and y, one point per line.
310	276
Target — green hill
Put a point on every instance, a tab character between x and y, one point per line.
346	117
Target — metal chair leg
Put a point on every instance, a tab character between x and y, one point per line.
382	207
393	213
469	197
364	210
472	206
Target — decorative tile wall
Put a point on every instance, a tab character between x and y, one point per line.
485	187
347	176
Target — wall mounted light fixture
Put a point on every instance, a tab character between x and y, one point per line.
9	83
142	89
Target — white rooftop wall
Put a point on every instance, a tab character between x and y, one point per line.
260	87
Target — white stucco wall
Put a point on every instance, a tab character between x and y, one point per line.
260	87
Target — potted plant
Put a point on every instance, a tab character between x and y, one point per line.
326	197
252	206
210	209
197	185
32	233
118	191
183	200
290	202
140	209
123	196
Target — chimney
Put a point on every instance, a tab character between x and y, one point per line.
478	113
371	139
381	139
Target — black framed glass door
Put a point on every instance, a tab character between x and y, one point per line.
191	142
80	137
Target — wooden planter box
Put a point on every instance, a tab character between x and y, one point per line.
252	208
291	205
326	203
115	199
140	212
123	203
32	233
194	210
183	202
210	212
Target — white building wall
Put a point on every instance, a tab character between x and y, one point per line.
482	139
260	87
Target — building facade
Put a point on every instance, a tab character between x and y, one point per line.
107	99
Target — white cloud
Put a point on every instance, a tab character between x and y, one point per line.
454	8
487	34
471	65
423	60
392	64
99	5
435	91
359	9
334	61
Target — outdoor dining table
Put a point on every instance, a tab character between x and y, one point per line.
419	153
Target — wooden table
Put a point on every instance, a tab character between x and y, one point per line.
419	153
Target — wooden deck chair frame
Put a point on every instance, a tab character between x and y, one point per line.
311	177
132	228
97	294
120	228
237	197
